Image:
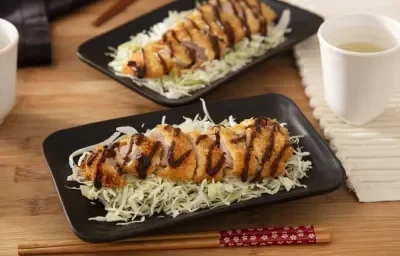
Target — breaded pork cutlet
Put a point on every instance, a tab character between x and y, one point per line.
251	150
205	34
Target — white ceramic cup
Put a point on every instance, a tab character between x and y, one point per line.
358	85
8	67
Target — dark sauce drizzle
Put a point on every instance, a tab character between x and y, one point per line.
165	37
229	33
235	11
217	138
110	152
210	170
171	49
119	169
189	52
98	179
258	15
137	139
215	45
238	138
204	19
187	31
130	146
133	65
226	27
278	158
245	27
163	64
267	152
193	23
270	147
169	44
247	155
212	38
173	34
171	161
143	162
91	159
176	163
177	131
200	138
263	20
140	70
259	123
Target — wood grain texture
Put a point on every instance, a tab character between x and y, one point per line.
70	93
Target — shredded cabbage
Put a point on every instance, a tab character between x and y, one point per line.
173	87
142	198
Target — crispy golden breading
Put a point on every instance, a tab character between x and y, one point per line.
229	18
251	150
146	152
209	156
271	145
179	155
94	167
237	152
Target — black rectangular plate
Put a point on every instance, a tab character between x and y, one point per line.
326	175
303	25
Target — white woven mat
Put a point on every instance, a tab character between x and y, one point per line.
371	153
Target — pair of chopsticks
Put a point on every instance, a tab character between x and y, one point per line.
211	239
117	7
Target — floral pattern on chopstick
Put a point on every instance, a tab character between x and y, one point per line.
267	236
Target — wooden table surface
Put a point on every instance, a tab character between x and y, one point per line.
70	93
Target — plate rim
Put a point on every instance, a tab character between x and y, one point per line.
162	100
219	210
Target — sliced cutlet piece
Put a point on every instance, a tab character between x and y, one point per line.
181	33
147	62
235	14
204	44
239	160
178	155
139	155
154	67
209	156
101	167
259	7
176	55
232	14
198	49
136	64
267	12
250	16
271	146
159	58
211	18
170	36
266	15
262	139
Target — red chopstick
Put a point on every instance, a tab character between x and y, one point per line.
210	239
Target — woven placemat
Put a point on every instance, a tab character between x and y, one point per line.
369	153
